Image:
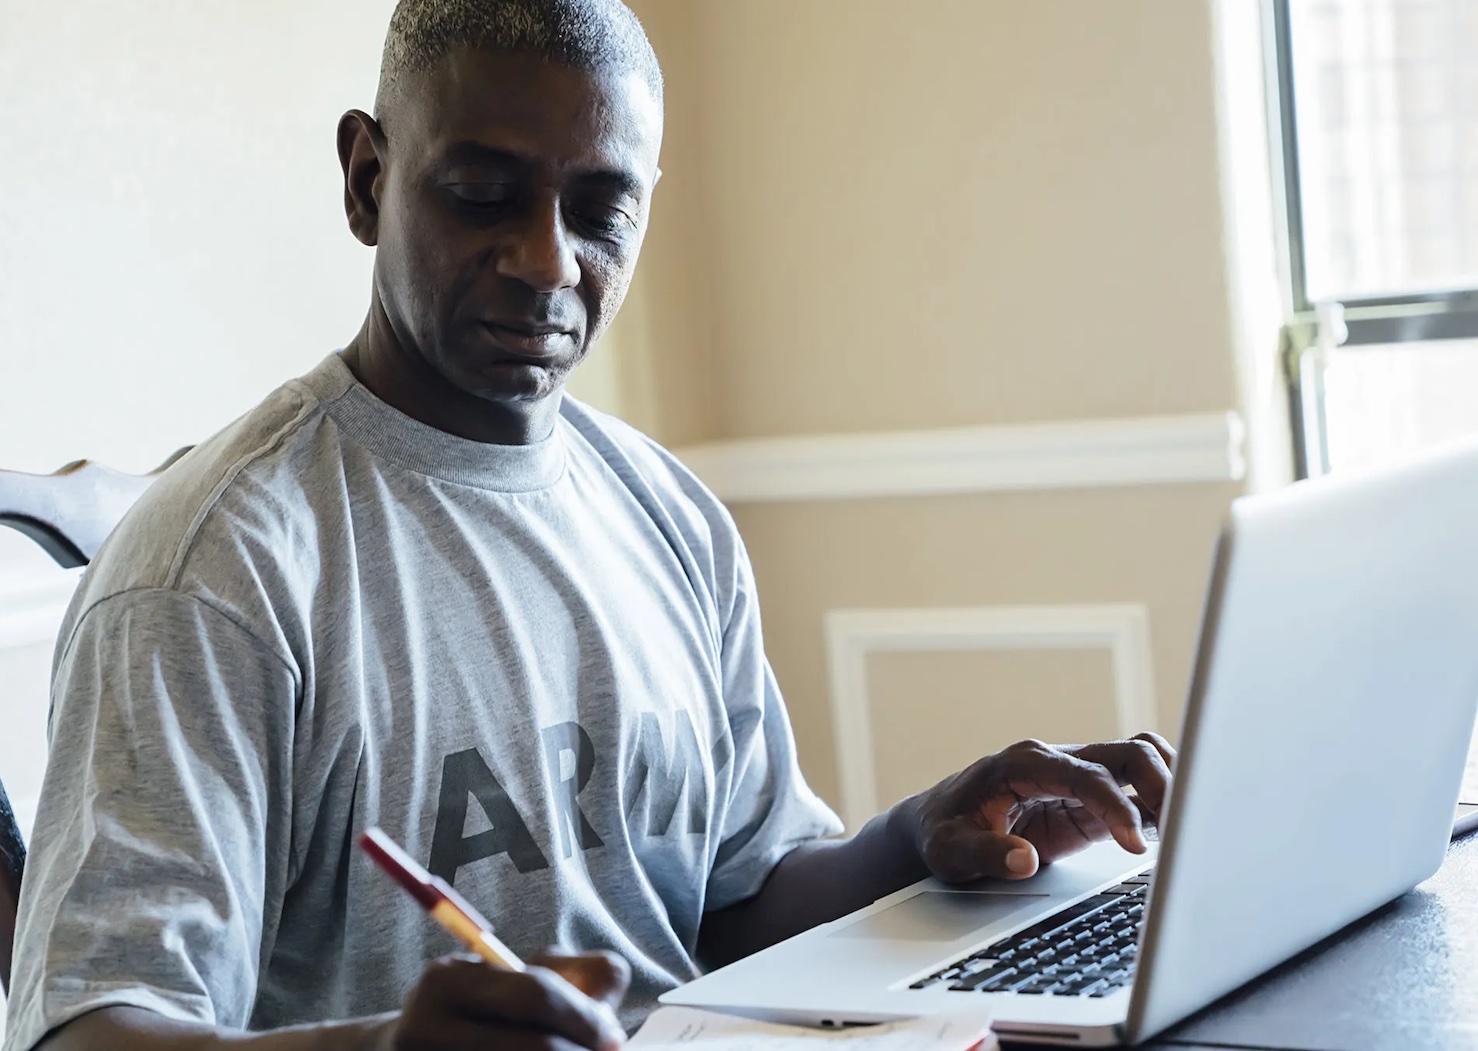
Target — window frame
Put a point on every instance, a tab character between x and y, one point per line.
1315	328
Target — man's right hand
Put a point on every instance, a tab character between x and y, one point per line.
559	1002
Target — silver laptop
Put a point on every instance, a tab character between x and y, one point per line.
1322	752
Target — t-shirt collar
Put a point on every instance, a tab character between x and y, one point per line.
391	434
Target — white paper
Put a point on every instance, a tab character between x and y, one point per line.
685	1027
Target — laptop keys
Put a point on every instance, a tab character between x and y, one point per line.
1087	949
1075	985
1106	987
993	981
1036	984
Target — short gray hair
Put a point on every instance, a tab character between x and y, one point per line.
585	34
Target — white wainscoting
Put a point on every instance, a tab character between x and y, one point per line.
1149	450
853	635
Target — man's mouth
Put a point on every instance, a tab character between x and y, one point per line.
529	339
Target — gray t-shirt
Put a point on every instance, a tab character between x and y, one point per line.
539	668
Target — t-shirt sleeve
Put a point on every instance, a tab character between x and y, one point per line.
164	796
771	810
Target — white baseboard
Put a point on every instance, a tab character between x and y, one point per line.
853	635
1206	447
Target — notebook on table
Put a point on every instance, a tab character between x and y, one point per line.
686	1027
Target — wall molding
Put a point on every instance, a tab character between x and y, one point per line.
32	607
1148	450
855	634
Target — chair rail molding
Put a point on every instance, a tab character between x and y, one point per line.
32	607
1148	450
853	635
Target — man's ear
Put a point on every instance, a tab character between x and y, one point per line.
361	155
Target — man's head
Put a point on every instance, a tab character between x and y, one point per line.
584	34
505	181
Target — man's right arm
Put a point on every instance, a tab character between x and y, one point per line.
459	1003
160	837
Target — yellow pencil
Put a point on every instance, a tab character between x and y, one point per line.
448	908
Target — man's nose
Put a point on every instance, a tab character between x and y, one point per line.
540	254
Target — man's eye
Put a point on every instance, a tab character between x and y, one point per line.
481	193
603	219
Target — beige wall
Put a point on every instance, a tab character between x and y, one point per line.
940	214
664	334
947	213
1149	546
173	241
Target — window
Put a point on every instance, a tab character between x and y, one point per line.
1379	109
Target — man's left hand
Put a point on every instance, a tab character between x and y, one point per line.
1034	803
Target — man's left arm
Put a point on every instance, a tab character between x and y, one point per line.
1001	818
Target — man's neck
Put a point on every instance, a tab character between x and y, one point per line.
405	381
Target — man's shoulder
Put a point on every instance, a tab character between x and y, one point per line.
246	481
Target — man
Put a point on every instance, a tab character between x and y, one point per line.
421	588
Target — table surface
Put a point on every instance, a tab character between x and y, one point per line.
1404	977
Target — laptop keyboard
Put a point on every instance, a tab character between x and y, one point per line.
1087	949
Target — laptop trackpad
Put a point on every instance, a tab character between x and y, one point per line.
940	915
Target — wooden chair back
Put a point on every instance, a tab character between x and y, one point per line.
69	513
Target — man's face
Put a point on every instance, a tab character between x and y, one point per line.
512	207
